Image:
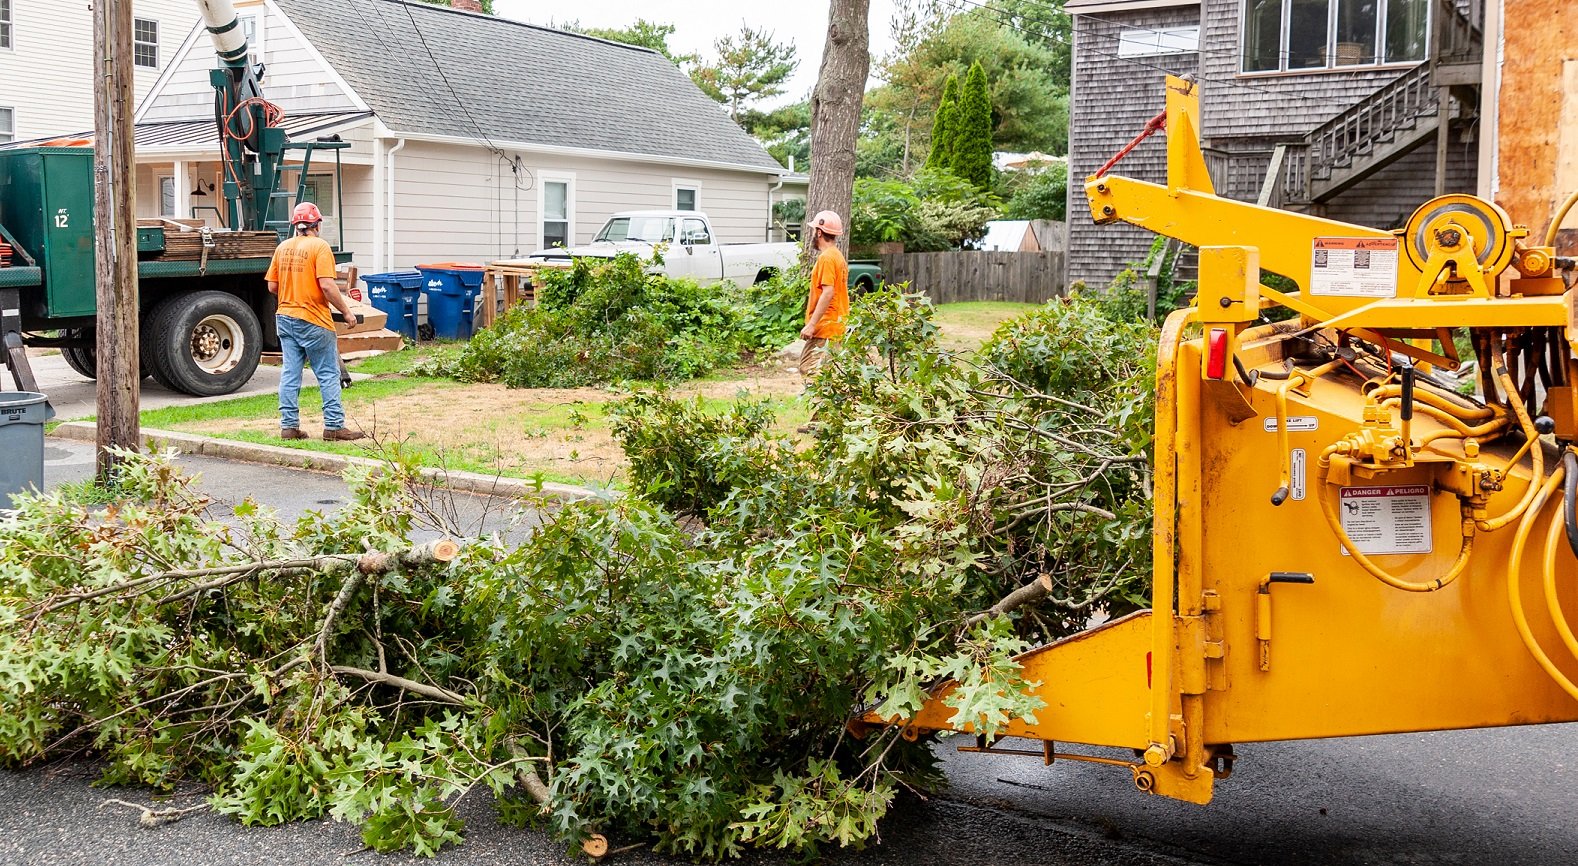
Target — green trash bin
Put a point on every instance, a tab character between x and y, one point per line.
22	417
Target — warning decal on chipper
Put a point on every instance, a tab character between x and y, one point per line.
1354	267
1387	519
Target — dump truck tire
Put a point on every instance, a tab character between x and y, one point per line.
83	361
204	344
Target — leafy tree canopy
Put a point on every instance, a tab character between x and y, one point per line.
1028	81
487	5
643	33
750	67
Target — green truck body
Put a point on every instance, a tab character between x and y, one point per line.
46	214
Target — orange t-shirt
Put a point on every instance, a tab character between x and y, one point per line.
833	272
297	265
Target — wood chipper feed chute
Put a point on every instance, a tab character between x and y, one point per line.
1344	545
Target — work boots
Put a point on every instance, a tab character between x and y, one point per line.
343	435
291	433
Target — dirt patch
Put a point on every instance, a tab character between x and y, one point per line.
561	433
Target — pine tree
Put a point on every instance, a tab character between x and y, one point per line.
945	128
971	156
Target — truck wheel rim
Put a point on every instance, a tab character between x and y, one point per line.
218	345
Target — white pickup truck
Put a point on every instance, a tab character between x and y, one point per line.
693	250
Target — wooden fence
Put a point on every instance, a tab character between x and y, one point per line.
975	276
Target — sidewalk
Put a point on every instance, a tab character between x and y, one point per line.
291	492
75	396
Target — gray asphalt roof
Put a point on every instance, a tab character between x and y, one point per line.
437	71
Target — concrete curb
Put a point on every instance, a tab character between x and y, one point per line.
296	458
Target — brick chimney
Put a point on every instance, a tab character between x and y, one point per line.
467	5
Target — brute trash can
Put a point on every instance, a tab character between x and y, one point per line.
396	294
22	417
451	289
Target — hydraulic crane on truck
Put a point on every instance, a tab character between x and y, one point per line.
206	317
1342	544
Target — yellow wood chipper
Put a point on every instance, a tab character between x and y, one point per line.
1344	544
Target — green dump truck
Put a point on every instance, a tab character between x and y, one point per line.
206	313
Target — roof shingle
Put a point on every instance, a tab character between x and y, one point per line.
432	70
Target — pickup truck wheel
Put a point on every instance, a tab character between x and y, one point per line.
83	361
863	285
204	344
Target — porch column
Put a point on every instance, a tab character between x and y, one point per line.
183	190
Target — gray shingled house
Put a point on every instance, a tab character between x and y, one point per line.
473	137
1358	110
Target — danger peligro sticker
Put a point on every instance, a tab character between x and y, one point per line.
1380	520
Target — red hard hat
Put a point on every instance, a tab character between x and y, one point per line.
829	222
306	212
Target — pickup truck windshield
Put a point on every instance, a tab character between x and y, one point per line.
643	229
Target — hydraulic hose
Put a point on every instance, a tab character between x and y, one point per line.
1515	590
1532	445
1553	604
1570	498
1556	221
1457	410
1328	508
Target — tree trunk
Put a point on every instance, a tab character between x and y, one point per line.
115	234
835	113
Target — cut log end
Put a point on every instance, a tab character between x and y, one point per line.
595	846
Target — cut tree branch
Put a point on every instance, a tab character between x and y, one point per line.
432	692
1033	591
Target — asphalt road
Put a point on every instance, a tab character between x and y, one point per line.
1502	796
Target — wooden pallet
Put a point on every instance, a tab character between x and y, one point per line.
514	282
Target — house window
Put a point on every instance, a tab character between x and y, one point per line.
1292	35
320	191
1407	25
1146	42
7	122
252	28
145	43
557	202
5	23
167	196
686	198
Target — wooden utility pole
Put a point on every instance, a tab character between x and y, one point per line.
115	233
835	112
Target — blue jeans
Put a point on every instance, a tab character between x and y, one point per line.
305	343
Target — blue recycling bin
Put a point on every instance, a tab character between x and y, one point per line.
396	294
451	289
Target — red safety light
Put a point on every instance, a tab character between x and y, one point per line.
1216	354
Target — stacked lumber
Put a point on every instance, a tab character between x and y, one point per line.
188	246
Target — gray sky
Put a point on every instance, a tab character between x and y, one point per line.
699	22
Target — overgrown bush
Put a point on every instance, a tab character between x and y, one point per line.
933	211
773	310
601	321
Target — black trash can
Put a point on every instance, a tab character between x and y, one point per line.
22	417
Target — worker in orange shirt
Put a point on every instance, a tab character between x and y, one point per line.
302	275
827	308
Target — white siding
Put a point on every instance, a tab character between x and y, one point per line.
47	75
463	203
296	79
